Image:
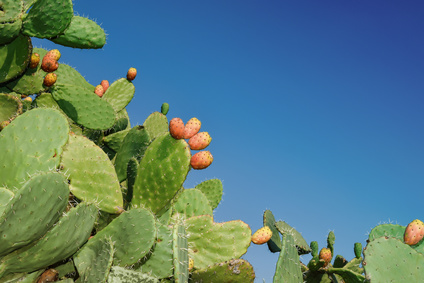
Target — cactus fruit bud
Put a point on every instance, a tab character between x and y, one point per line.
199	141
132	72
262	235
201	160
35	60
176	128
50	79
357	248
190	264
414	232
49	65
28	98
191	128
104	84
54	54
99	90
164	108
325	255
50	275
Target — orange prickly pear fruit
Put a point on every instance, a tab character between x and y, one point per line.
35	60
201	160
262	235
50	79
105	84
325	255
54	54
176	128
132	72
50	275
28	98
199	141
414	232
99	90
49	65
192	127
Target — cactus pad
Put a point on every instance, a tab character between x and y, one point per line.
213	191
15	56
119	94
235	271
301	243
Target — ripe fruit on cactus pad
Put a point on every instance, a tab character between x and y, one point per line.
201	160
132	72
54	54
50	79
199	141
414	232
35	60
104	84
99	90
49	64
262	235
325	255
192	127
176	128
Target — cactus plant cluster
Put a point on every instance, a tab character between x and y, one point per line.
85	196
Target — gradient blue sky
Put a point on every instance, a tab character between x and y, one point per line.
315	107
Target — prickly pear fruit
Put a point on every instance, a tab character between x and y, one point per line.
54	54
28	98
199	141
50	275
190	264
414	232
191	128
357	248
104	84
99	90
50	79
132	72
262	235
201	160
164	108
49	64
325	255
35	60
176	128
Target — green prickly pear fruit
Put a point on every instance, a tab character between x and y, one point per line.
99	90
414	232
325	255
201	160
35	60
262	235
164	108
357	248
49	64
191	128
104	84
132	72
176	128
50	79
199	141
314	248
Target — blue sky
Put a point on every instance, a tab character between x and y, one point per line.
315	107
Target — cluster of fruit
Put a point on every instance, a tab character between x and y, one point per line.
104	84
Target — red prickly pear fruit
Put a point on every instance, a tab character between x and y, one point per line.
192	127
99	90
105	84
54	54
199	141
201	160
49	65
50	79
325	255
35	60
132	72
176	128
414	232
50	275
262	235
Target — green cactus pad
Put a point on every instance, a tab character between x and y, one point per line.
11	22
114	141
134	144
122	122
213	191
274	244
347	275
387	230
93	264
119	94
10	30
5	197
205	250
133	234
192	202
288	265
132	170
84	107
57	244
15	56
48	18
30	223
390	260
160	263
180	248
156	124
22	277
91	174
69	76
302	245
161	173
119	275
32	143
235	271
357	248
10	107
331	239
82	33
314	249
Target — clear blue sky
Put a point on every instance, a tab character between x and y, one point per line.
315	107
